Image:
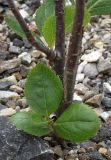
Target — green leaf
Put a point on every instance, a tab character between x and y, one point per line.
77	123
99	7
43	12
15	26
31	123
43	90
48	29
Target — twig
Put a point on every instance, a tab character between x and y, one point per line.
73	54
60	38
28	33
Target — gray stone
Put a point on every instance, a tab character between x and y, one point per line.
2	106
3	55
106	102
10	64
5	85
96	156
25	58
80	88
104	66
14	49
16	145
90	70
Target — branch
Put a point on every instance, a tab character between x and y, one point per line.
28	33
60	38
73	54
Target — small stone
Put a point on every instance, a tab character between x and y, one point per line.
22	102
37	54
107	38
18	42
90	70
16	89
5	85
105	116
80	77
17	108
91	57
11	79
76	97
8	95
28	109
80	88
106	102
58	151
81	67
96	156
107	87
104	66
25	58
88	95
3	55
103	151
14	49
10	64
23	13
7	112
95	101
99	45
11	104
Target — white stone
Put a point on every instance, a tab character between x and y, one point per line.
105	116
76	97
10	79
81	67
107	87
91	57
24	13
80	77
25	58
16	89
8	94
7	112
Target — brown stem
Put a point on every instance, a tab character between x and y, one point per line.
73	54
60	38
28	33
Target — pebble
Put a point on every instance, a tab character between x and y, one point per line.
81	67
25	58
8	95
5	85
18	42
106	102
106	87
90	70
7	112
105	116
104	66
58	150
15	50
88	95
10	64
95	100
103	151
80	77
3	55
16	89
80	88
22	102
107	38
91	57
11	79
24	13
76	97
